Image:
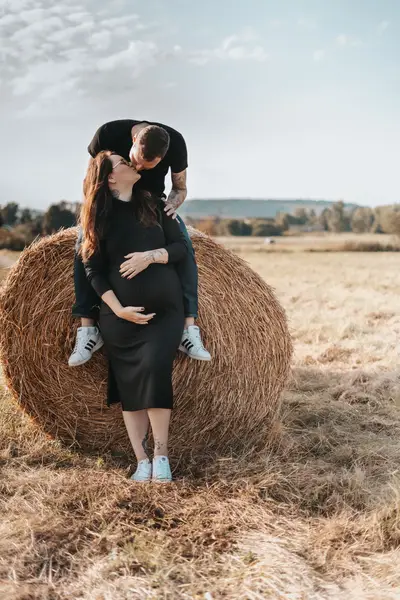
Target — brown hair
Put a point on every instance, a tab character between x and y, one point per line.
98	203
154	142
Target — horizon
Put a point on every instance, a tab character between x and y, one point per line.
275	99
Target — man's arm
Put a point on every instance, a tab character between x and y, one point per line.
178	193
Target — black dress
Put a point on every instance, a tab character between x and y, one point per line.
140	356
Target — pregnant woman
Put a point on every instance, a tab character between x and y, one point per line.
141	313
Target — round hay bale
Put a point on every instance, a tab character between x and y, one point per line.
223	404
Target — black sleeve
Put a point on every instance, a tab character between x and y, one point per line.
179	155
101	141
95	268
176	243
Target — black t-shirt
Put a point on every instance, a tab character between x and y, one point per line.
117	137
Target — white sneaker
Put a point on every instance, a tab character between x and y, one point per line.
88	341
192	345
143	471
161	470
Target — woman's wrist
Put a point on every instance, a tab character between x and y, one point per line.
156	256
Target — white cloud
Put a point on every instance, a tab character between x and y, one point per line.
78	17
32	16
117	21
137	57
53	51
319	55
234	47
100	40
42	28
348	40
382	27
307	23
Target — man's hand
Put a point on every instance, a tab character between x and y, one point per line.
133	314
170	208
136	263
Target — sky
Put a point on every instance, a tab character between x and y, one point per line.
275	98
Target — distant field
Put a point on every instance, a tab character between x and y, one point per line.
311	241
316	518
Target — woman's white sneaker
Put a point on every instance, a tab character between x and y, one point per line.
88	341
161	469
143	471
192	345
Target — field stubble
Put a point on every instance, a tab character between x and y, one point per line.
316	517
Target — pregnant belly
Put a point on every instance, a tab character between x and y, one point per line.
156	289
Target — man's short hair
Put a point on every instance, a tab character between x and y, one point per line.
154	142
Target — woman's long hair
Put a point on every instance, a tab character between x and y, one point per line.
97	204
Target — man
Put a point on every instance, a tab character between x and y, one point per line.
153	149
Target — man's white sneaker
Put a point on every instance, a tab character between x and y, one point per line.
161	470
88	341
143	471
192	345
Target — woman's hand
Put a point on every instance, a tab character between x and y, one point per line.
133	314
136	263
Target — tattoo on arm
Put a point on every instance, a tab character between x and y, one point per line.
157	256
179	181
179	191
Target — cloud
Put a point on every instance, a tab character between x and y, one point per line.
307	23
72	49
137	57
235	48
319	55
382	27
348	40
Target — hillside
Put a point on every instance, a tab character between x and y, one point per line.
237	208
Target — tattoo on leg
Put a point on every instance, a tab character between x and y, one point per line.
145	444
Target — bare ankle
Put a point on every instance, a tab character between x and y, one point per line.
87	322
189	321
160	448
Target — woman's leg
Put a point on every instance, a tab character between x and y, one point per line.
137	425
159	419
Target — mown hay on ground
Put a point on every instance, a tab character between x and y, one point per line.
220	405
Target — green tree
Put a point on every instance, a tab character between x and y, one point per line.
58	216
26	216
9	213
301	216
237	227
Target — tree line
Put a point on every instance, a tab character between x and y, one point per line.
20	226
336	219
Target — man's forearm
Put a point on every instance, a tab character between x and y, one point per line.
179	191
177	197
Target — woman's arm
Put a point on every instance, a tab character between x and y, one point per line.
95	268
176	246
175	250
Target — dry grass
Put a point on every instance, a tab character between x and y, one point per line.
316	518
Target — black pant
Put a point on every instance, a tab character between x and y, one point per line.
87	301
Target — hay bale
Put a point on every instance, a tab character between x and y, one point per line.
219	405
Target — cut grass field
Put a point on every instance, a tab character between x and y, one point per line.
316	517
